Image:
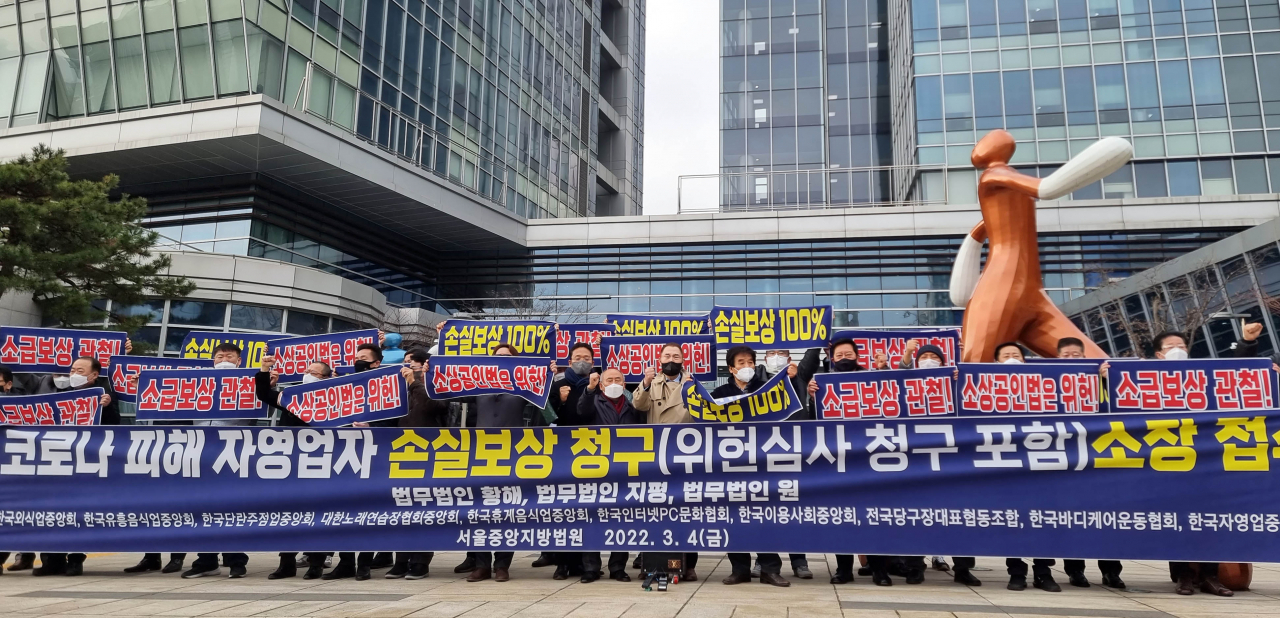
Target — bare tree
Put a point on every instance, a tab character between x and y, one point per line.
1185	304
512	307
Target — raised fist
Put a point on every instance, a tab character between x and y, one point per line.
407	372
564	392
594	381
267	363
649	373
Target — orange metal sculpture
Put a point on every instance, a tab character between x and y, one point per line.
1009	302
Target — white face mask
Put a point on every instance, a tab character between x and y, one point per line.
928	363
774	364
309	379
1175	354
1015	361
76	380
61	381
225	365
614	391
745	374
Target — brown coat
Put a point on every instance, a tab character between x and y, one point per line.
663	402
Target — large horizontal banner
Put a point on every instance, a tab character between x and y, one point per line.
449	377
633	355
988	389
82	406
125	367
1225	385
337	350
770	328
52	350
253	346
893	343
657	325
775	400
480	337
1194	486
878	395
198	395
569	334
373	395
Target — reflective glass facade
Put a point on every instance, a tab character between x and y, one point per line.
804	86
808	85
501	96
1189	82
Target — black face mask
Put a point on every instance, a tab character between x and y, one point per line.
362	365
671	369
845	364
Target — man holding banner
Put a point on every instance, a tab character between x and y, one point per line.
661	396
604	402
741	361
498	410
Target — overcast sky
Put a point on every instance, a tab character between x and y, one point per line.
681	89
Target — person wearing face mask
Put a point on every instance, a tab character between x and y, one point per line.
603	402
24	560
225	356
360	565
1010	352
1073	348
741	362
566	392
775	362
660	396
1171	345
85	372
499	410
842	356
264	386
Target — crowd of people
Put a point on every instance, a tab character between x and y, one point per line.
582	394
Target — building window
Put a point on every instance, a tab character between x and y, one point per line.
249	317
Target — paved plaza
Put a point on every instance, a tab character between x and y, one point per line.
105	591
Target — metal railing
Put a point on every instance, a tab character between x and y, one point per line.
816	189
316	263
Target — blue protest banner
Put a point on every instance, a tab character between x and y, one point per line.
253	346
569	334
198	395
81	406
367	396
998	389
775	400
449	377
1131	487
890	394
657	325
633	355
52	350
480	337
1234	384
893	343
294	354
768	328
125	367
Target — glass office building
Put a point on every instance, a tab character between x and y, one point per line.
1189	82
804	87
534	105
814	91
